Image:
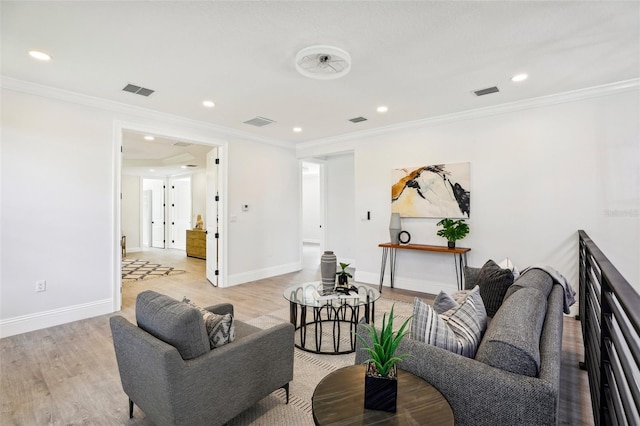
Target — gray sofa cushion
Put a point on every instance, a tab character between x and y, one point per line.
173	322
493	282
470	277
536	278
512	341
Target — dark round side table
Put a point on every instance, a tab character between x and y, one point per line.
339	399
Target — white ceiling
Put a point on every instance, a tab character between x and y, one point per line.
422	59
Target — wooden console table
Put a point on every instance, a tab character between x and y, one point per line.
459	258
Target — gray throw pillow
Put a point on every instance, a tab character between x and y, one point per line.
493	282
443	302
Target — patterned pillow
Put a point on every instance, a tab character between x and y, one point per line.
220	328
461	296
493	282
458	330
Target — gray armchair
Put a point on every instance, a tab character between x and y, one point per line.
168	370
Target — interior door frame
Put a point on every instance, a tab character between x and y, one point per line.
171	132
322	178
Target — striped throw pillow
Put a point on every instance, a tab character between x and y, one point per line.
457	330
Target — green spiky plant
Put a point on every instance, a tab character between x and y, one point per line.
383	348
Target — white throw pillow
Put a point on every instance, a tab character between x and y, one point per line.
507	264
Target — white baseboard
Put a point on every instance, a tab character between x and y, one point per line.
40	320
423	286
245	277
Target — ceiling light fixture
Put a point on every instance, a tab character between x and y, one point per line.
519	77
297	129
208	104
323	62
149	138
41	56
382	109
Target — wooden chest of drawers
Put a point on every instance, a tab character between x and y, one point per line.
196	243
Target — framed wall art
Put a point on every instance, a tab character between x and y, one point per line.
435	191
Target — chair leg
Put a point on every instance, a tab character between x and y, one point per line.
286	390
130	408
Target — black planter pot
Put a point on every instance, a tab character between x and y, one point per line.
343	279
380	393
451	244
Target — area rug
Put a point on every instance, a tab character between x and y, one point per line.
140	270
308	370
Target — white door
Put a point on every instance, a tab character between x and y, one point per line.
146	218
180	209
212	216
156	186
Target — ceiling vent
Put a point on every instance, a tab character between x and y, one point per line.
142	91
357	119
486	91
259	121
323	62
188	166
182	144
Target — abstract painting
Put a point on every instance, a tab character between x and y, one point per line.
436	191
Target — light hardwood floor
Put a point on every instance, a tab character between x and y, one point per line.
67	375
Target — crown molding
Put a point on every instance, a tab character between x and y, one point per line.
27	87
542	101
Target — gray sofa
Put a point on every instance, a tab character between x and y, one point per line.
168	369
505	384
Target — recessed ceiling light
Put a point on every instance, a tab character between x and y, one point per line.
519	77
152	170
208	104
382	108
297	129
149	138
41	56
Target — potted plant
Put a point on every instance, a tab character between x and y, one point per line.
381	377
452	230
343	276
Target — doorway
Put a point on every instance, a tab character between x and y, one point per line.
313	210
154	199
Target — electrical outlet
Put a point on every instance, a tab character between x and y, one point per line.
41	286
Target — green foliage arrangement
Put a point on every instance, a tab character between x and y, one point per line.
384	346
344	272
453	230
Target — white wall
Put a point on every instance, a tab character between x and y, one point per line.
198	196
264	240
341	201
59	203
131	195
538	174
311	217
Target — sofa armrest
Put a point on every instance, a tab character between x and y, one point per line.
221	308
244	371
141	360
478	393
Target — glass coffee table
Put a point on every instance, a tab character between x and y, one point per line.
326	323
